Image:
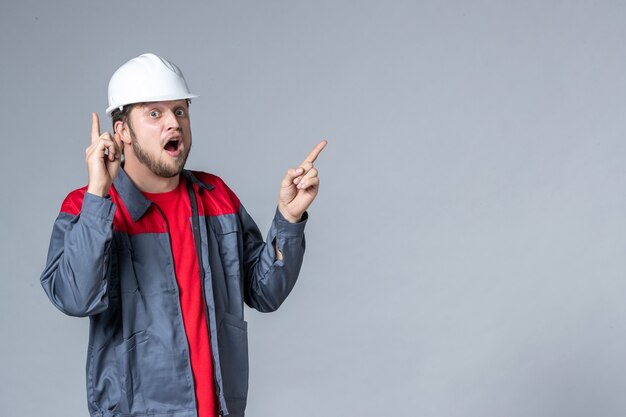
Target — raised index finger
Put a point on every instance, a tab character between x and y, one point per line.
316	151
95	127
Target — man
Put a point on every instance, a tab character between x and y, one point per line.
162	259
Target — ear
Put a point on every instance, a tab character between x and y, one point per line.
121	128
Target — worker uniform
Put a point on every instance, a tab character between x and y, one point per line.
111	259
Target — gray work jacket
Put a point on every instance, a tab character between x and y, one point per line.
111	259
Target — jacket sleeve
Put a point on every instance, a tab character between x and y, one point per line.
268	281
75	276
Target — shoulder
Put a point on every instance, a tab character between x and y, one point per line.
74	201
208	178
218	198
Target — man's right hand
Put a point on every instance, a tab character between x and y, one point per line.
103	158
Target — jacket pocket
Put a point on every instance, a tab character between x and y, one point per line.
127	276
153	377
233	350
126	353
228	235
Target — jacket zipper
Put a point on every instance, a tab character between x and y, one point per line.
195	223
180	308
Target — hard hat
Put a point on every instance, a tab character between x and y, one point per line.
146	78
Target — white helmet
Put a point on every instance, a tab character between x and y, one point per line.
146	78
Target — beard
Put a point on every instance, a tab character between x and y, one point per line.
157	167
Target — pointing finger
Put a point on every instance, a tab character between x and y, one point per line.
316	151
95	127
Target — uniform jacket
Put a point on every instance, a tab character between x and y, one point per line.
111	259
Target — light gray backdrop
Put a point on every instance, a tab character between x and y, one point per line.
466	252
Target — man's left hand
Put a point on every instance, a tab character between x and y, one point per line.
299	187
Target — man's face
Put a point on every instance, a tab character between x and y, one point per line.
161	136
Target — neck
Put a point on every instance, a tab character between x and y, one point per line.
147	181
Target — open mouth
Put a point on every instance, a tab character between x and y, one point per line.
172	145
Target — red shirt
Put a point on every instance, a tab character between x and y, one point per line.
176	207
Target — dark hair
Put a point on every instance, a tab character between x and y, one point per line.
118	115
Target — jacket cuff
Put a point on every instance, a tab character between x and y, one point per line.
286	229
97	208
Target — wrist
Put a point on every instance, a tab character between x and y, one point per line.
100	191
289	217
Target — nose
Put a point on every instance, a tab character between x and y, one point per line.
171	121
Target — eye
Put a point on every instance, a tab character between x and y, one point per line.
180	112
154	113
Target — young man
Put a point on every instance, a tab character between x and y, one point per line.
162	259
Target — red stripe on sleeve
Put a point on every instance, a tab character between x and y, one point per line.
74	202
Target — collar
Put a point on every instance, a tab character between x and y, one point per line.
134	200
189	175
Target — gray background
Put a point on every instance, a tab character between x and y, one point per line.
466	252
